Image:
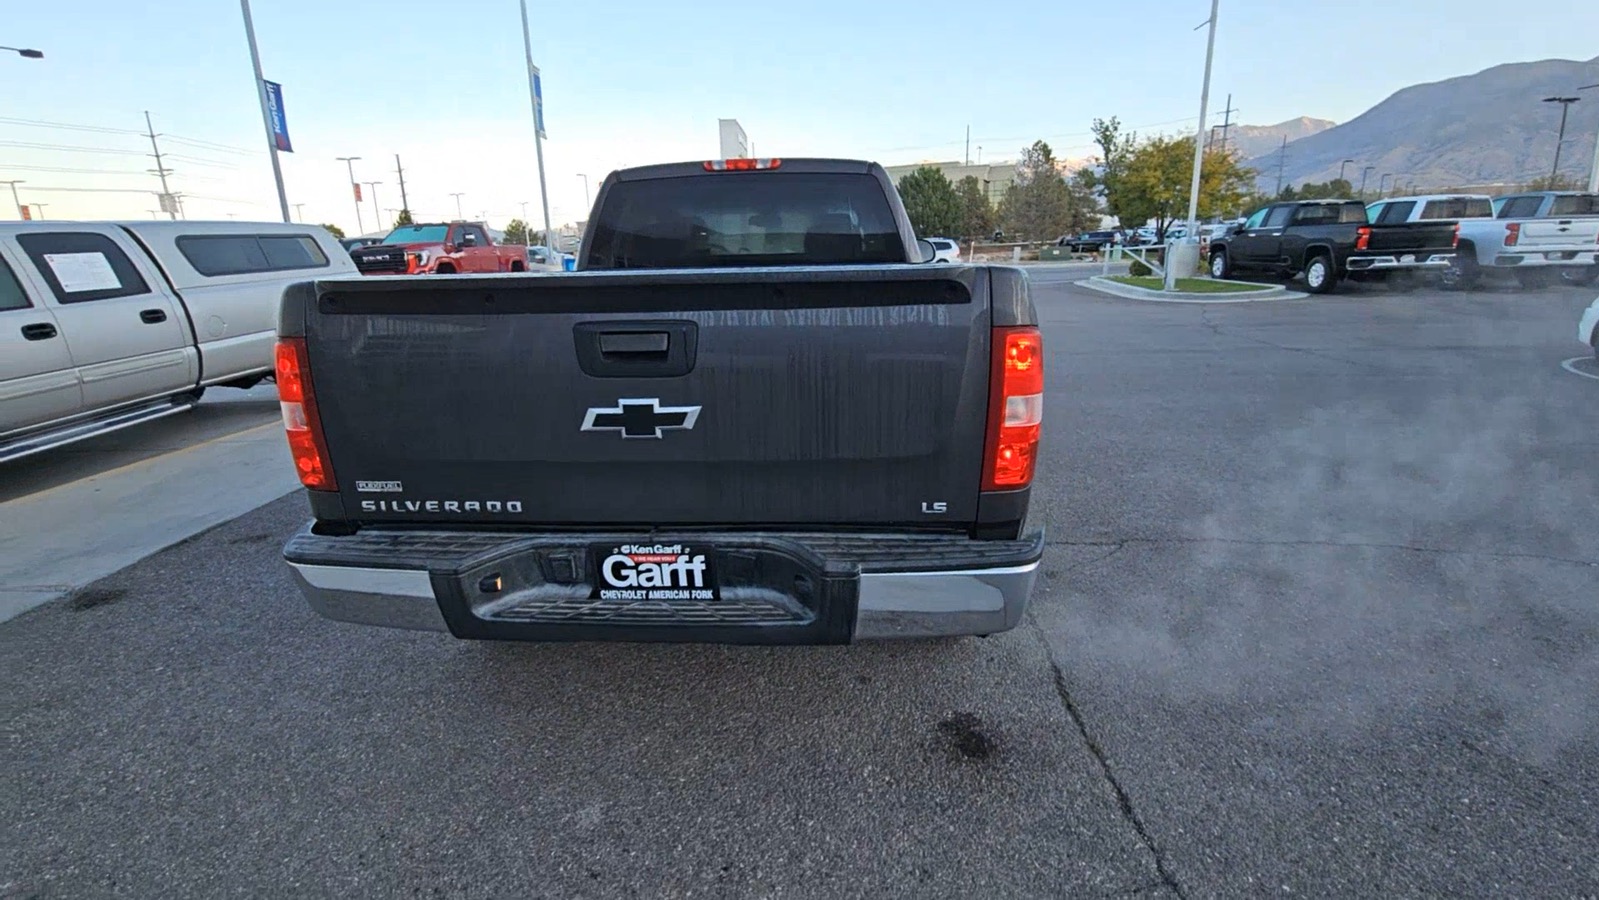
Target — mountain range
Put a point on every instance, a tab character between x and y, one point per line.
1251	141
1490	128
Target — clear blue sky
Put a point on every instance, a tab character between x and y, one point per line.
634	82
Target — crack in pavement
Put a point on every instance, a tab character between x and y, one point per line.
1119	543
1204	318
1123	801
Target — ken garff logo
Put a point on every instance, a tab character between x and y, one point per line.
645	418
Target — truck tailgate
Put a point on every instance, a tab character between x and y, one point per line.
1409	237
744	397
1558	233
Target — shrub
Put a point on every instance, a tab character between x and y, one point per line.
1139	269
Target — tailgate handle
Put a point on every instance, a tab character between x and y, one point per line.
636	349
634	342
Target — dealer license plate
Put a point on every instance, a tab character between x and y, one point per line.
645	570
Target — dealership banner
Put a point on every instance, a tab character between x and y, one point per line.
280	125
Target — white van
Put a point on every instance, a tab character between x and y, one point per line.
104	325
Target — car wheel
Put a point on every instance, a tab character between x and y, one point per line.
1220	265
1463	272
1319	275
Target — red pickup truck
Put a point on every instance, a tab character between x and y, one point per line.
439	248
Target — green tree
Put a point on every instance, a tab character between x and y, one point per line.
977	211
516	232
931	202
335	230
1115	149
1041	205
1156	181
404	218
1335	189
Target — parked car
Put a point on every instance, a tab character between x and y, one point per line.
702	444
541	258
439	248
1588	328
1328	241
945	250
1090	241
1533	248
106	325
358	242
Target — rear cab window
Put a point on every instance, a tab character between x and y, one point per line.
745	219
1396	213
1575	205
238	254
1519	207
1458	208
81	266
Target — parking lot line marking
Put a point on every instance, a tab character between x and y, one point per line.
1570	366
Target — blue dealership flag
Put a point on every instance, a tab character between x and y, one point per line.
280	125
538	103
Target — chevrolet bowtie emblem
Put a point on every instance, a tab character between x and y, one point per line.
640	418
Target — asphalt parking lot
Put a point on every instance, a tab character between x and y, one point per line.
1318	618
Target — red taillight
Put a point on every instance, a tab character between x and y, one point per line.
1512	234
1362	237
740	165
300	420
1454	242
1015	408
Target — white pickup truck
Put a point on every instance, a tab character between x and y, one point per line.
104	325
1536	236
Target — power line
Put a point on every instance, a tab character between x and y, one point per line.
39	123
76	171
210	145
73	148
200	161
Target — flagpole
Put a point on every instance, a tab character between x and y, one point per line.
266	116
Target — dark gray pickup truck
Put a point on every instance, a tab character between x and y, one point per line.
753	416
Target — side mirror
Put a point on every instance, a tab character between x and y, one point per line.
927	250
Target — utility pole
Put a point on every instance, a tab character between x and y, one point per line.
160	170
399	170
266	115
1282	160
15	200
1226	122
355	190
1565	106
298	214
1363	173
457	196
1173	259
968	145
377	212
535	92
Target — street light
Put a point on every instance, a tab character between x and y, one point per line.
1565	106
586	203
1341	168
355	191
377	214
1382	191
25	53
14	198
458	196
1363	173
298	215
40	207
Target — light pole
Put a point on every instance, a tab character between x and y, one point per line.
40	207
377	213
26	53
586	202
1382	191
1341	168
1363	173
355	190
535	91
523	204
17	201
457	196
299	216
261	96
1593	170
1177	261
1565	106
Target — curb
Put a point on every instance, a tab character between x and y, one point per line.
1106	286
